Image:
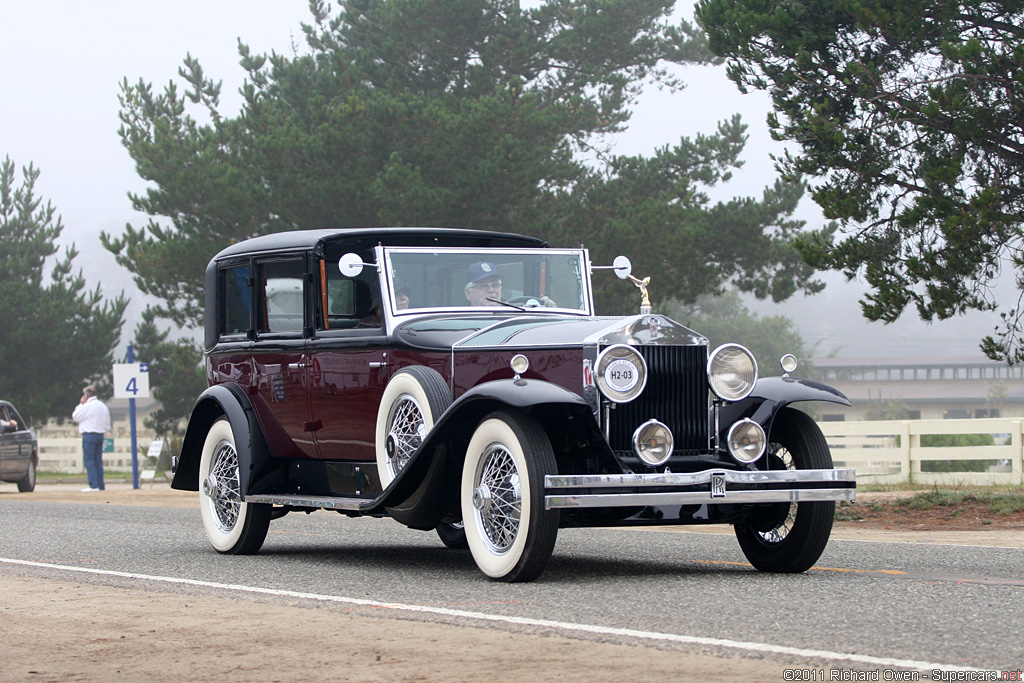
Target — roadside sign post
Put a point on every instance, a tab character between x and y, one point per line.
131	381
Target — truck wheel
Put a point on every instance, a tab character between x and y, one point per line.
790	537
508	530
233	527
413	399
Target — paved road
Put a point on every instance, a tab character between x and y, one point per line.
944	605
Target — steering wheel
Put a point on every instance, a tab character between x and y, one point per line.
527	301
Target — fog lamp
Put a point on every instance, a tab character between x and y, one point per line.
746	441
653	442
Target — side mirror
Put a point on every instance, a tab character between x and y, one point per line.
351	264
621	265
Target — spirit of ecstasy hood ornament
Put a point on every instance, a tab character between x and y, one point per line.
645	299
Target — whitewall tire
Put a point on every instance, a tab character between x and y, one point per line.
412	401
233	527
508	530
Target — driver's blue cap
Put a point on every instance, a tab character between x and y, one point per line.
481	270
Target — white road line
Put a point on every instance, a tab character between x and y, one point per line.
524	621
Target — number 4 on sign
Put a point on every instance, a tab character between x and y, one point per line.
131	380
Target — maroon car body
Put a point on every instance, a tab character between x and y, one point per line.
349	371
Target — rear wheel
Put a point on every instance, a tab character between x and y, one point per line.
790	537
233	527
28	482
508	530
453	534
413	399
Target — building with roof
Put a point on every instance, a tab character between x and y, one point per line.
930	387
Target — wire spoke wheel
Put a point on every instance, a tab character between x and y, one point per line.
406	432
508	531
790	537
781	523
413	399
222	486
500	497
234	527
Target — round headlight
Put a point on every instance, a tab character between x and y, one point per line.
653	442
746	441
621	373
732	372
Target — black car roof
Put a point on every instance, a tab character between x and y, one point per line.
308	239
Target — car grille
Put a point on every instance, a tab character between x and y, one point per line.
676	394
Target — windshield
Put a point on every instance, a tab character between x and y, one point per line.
509	279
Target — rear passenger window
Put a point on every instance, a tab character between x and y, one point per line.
236	300
281	295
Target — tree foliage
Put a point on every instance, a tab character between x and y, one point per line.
909	114
467	113
55	335
176	373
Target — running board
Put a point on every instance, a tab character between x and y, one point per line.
328	502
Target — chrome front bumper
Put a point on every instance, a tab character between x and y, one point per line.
712	486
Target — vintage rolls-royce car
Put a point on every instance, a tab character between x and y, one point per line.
460	381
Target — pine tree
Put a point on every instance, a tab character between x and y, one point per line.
459	113
56	335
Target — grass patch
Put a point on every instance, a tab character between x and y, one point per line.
998	502
846	513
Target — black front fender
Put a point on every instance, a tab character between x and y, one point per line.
772	394
221	400
425	475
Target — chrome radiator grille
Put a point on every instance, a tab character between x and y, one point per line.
676	394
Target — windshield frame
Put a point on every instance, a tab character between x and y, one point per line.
384	259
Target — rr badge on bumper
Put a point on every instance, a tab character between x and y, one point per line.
718	484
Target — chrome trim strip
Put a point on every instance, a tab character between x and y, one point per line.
609	500
328	502
556	481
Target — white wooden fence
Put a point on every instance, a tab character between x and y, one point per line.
882	452
890	451
64	454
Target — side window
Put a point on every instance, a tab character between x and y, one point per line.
349	302
236	300
280	292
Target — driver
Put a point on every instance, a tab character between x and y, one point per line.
483	284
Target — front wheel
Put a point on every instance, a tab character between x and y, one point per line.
233	527
508	530
790	537
28	482
414	398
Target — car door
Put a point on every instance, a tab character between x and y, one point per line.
279	354
348	364
14	456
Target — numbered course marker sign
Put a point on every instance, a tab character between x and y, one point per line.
131	380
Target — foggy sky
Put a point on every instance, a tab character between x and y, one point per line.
63	62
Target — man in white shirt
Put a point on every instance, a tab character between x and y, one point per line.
93	420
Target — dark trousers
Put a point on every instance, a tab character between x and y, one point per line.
92	454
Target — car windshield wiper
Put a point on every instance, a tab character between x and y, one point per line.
506	303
